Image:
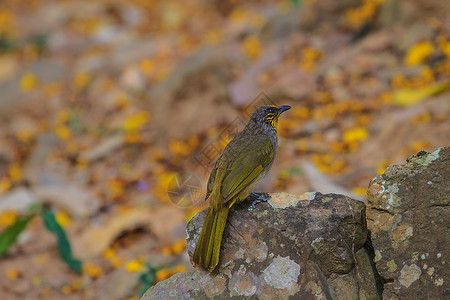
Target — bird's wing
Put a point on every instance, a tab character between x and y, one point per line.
246	168
212	179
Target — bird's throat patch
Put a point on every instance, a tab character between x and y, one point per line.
272	119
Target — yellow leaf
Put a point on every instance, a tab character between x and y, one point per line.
359	191
179	148
162	74
116	262
382	166
36	280
66	289
24	135
62	116
252	47
12	273
418	53
7	218
136	121
63	132
162	274
212	37
115	188
409	97
132	137
421	119
7	21
122	100
238	16
179	246
41	259
166	251
258	20
147	66
358	134
179	269
5	185
311	54
445	47
15	173
28	82
92	270
109	253
63	219
134	266
81	80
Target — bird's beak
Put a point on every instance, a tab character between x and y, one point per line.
283	108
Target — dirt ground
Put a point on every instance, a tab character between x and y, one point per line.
112	114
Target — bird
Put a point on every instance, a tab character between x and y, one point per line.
246	159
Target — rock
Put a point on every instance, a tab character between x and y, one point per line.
165	223
79	202
303	247
19	199
407	213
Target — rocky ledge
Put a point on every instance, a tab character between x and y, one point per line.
317	246
308	246
408	214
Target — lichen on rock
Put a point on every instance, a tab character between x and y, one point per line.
282	272
407	210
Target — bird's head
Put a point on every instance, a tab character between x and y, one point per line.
269	114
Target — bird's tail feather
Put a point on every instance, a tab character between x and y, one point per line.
207	250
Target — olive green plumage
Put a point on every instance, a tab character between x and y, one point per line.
245	160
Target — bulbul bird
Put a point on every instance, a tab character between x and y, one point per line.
245	160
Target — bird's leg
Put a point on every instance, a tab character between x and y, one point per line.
258	198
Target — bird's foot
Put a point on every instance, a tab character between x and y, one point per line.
258	198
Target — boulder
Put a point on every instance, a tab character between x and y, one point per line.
408	216
312	246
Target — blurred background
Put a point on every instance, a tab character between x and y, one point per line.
112	114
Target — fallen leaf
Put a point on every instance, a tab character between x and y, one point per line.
65	250
409	97
10	234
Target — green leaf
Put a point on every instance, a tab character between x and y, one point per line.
294	171
148	278
63	243
10	234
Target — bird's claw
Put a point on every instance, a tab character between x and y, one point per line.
259	197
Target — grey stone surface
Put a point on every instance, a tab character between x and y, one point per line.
408	215
311	246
